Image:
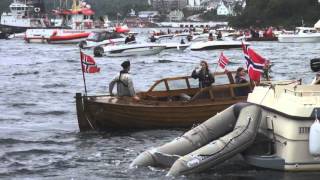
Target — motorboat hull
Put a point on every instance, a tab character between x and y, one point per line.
55	36
14	29
133	50
288	111
301	35
299	39
212	45
175	46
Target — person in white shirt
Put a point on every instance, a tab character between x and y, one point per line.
124	83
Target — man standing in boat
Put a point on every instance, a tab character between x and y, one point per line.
124	83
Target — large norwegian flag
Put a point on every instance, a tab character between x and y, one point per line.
88	64
255	63
223	61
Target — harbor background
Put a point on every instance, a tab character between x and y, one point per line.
39	135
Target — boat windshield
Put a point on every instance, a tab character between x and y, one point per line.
101	36
93	36
186	82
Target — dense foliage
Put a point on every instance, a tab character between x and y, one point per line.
285	13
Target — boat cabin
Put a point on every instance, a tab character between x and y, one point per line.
305	30
98	36
187	89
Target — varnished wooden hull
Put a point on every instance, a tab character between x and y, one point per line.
114	113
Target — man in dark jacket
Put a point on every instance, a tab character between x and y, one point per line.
204	75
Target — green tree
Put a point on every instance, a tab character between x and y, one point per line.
287	13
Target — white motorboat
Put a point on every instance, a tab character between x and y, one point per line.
301	35
102	37
129	50
217	44
175	46
273	130
56	36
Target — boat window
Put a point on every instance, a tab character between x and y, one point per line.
223	79
194	83
177	84
160	87
93	36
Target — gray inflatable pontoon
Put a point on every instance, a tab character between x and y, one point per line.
214	141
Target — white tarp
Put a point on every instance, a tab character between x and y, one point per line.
317	25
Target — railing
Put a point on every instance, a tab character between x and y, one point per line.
302	93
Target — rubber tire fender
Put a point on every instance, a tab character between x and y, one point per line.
98	51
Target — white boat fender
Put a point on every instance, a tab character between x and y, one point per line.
314	137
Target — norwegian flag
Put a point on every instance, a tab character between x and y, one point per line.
223	61
255	63
88	64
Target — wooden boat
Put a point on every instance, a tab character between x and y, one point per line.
164	105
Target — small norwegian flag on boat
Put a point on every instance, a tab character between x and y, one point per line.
88	64
223	61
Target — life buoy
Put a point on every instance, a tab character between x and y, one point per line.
37	9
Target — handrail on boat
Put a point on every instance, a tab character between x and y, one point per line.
301	93
186	78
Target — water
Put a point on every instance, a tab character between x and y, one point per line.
39	135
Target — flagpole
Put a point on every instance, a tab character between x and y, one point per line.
216	67
83	76
217	64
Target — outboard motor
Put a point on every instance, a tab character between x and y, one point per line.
315	64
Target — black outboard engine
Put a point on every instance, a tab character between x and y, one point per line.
315	64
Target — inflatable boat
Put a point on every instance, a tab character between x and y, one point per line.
271	131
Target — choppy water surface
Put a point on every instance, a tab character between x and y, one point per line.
39	135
